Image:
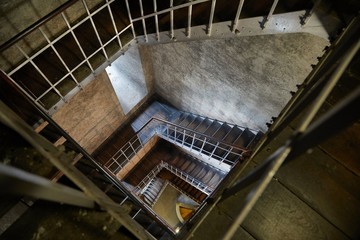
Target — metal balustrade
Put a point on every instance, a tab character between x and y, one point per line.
144	184
53	96
187	178
182	137
187	138
86	62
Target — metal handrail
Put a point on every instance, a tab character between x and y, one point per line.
188	178
140	188
210	155
244	150
217	145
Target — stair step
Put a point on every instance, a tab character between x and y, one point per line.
180	118
195	123
204	125
188	120
245	138
215	125
222	132
233	135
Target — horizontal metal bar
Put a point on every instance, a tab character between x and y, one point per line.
37	24
61	36
18	182
170	9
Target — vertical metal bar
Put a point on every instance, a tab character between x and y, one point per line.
143	20
227	154
175	137
114	24
211	18
304	19
202	145
213	151
268	17
77	42
96	31
171	20
130	18
41	73
156	22
241	3
60	58
183	140
188	34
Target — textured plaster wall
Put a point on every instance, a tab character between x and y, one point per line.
127	77
93	114
244	80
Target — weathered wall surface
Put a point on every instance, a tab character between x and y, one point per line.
127	78
93	114
243	80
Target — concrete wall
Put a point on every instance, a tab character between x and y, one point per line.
244	80
93	114
127	78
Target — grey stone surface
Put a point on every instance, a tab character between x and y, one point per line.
244	80
128	80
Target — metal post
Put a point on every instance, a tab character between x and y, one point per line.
171	19
211	18
156	22
304	19
267	18
213	151
183	140
60	58
130	18
241	3
188	34
143	20
41	73
202	145
77	42
114	24
96	31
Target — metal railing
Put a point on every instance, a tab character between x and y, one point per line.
181	136
124	155
188	178
144	184
54	86
308	133
202	144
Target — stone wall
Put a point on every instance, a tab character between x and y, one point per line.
241	80
93	114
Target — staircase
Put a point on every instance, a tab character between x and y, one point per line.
152	191
120	197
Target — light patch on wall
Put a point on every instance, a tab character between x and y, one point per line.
127	78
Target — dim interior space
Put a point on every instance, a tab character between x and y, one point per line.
180	119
